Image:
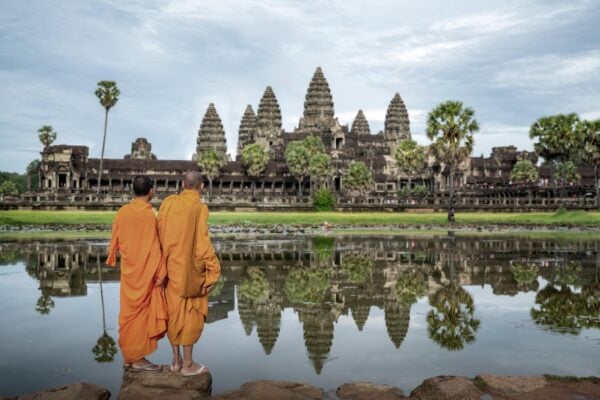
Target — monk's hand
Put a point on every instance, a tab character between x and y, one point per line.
159	281
206	289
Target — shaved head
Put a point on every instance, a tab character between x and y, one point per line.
193	180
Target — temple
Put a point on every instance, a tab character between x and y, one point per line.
68	177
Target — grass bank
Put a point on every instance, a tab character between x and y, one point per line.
571	218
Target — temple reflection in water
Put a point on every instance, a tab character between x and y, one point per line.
324	278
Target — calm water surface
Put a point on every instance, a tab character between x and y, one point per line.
327	311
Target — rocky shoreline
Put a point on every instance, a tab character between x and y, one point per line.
296	230
167	385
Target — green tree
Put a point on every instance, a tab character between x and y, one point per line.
590	153
210	163
44	305
314	145
358	269
451	128
8	188
105	348
323	200
255	158
254	286
566	173
320	167
307	285
410	158
451	322
297	158
524	171
410	285
108	94
47	135
357	177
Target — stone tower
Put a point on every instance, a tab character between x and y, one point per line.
211	134
397	125
318	104
141	149
360	125
268	121
247	131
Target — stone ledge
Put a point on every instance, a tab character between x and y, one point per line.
165	385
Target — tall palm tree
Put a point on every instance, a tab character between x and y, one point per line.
451	127
108	94
47	135
105	348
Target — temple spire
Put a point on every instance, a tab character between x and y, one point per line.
360	125
318	105
247	131
268	121
397	125
211	134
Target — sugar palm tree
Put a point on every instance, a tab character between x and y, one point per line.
105	348
255	159
47	135
451	127
108	94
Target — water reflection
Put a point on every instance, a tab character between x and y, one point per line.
322	279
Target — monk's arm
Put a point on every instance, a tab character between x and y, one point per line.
205	251
111	260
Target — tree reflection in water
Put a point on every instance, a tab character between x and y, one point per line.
307	285
562	309
410	285
451	322
357	269
45	304
105	348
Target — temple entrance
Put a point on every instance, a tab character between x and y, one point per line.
62	180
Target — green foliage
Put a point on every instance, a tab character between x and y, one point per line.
314	145
410	285
307	285
567	173
254	286
558	137
210	162
44	305
451	127
590	132
320	166
108	93
357	177
358	269
46	135
216	291
323	200
297	158
8	188
105	349
255	159
419	190
524	171
525	274
410	157
32	170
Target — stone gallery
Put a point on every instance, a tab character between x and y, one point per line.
68	176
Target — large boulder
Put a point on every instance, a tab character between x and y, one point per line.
447	388
368	391
273	390
164	385
509	386
76	391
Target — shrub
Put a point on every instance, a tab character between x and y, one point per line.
323	200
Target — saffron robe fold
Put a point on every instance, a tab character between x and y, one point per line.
176	228
143	314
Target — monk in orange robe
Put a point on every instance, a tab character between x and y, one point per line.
143	315
183	221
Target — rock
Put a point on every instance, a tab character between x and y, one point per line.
368	391
165	385
512	385
76	391
447	388
273	390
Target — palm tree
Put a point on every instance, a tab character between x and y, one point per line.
108	94
410	158
47	135
105	348
451	127
591	151
211	163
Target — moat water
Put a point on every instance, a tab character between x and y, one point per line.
392	310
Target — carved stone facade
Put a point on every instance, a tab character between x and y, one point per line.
211	135
141	149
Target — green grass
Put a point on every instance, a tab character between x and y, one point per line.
571	218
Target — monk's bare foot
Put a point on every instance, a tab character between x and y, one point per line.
176	364
194	369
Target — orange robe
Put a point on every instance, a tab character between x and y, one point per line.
176	229
142	319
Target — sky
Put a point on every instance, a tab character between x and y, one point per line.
511	61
